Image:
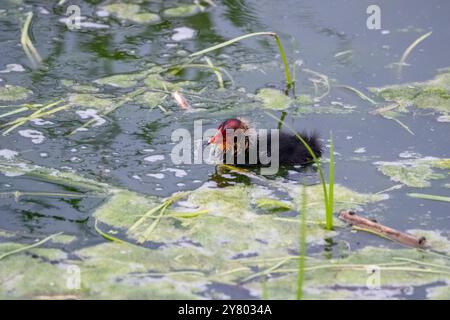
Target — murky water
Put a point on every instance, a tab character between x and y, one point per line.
131	150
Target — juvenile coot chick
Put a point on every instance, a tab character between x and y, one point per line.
291	150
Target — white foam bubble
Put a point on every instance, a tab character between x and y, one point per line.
178	172
183	33
155	175
8	154
156	157
36	136
91	114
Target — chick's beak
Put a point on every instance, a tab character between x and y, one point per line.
215	138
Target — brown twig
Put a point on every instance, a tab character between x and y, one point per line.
374	227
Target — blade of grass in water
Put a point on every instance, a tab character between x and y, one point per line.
404	126
302	246
161	209
268	270
319	168
18	194
265	291
13	112
359	93
27	45
106	235
37	114
408	50
34	245
249	35
329	214
429	197
216	72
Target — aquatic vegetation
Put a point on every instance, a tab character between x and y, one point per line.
433	94
309	109
304	99
122	80
225	243
42	111
185	10
151	99
87	100
358	92
351	273
272	205
31	52
131	12
77	87
343	198
240	38
327	190
18	167
414	172
13	93
429	197
273	99
302	245
24	248
410	48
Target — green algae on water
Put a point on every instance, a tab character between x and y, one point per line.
181	11
131	12
432	94
13	93
414	172
273	99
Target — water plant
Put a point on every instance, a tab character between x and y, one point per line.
302	245
27	45
408	50
34	245
249	35
429	197
328	192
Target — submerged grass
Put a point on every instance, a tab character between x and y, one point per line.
34	245
358	92
302	246
249	35
42	111
209	65
328	193
408	50
27	45
159	210
106	235
429	197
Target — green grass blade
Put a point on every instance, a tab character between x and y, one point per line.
249	35
316	161
283	57
30	246
10	113
229	42
216	72
302	246
329	215
27	45
410	48
106	235
356	91
429	197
